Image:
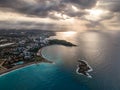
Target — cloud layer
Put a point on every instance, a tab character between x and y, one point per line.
42	8
55	12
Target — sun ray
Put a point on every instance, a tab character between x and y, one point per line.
95	14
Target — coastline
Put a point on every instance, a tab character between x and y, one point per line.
39	53
87	72
27	64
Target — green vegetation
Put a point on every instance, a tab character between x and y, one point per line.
38	58
60	42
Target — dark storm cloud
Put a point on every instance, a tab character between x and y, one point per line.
115	6
112	5
83	3
42	7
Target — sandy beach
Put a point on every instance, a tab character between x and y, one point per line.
26	64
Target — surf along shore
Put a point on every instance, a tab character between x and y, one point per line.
39	53
38	57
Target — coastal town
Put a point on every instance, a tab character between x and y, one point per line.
18	48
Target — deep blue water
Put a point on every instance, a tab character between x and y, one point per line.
99	48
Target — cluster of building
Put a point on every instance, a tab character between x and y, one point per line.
25	50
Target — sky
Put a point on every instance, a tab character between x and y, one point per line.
57	15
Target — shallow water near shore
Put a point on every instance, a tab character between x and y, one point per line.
99	48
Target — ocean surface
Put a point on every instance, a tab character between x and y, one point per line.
101	49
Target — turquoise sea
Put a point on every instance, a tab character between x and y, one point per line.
101	49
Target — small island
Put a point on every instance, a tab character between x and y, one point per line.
83	68
25	50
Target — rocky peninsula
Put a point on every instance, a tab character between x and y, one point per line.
26	52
